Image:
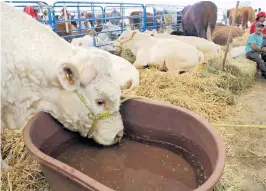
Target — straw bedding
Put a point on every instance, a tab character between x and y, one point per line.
205	90
24	173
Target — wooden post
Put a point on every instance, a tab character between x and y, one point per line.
230	35
65	14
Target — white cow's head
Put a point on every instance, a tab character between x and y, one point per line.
125	40
89	91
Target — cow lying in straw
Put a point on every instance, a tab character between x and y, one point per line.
203	45
166	54
42	72
125	73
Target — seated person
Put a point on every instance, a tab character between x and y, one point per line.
254	49
260	19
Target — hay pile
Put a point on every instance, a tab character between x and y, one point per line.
24	172
128	55
220	34
206	91
240	41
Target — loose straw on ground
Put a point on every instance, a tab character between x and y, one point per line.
230	36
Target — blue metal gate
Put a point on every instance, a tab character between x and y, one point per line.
99	13
160	16
80	10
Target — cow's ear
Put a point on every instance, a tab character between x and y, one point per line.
87	75
68	76
71	79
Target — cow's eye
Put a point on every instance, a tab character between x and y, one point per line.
100	102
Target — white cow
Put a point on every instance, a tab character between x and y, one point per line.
205	46
113	29
42	72
101	41
163	53
149	32
125	73
238	51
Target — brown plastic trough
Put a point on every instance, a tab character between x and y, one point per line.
143	118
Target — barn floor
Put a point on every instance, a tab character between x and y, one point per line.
246	159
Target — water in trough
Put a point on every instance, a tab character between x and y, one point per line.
133	165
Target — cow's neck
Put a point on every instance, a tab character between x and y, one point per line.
140	42
29	84
47	97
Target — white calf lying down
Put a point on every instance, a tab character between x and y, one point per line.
124	72
87	41
149	32
238	51
205	46
164	53
42	72
103	40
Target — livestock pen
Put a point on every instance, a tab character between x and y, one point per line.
139	16
214	95
135	15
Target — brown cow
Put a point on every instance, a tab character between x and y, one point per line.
198	18
61	27
244	14
221	32
137	22
72	30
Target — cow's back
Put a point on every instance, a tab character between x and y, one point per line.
251	13
204	10
134	14
200	13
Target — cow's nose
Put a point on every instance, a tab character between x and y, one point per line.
119	136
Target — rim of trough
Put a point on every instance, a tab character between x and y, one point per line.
90	183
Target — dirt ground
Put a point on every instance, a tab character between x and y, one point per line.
246	146
255	100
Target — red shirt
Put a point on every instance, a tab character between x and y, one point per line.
30	11
252	28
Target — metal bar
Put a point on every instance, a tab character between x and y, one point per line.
79	20
94	6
